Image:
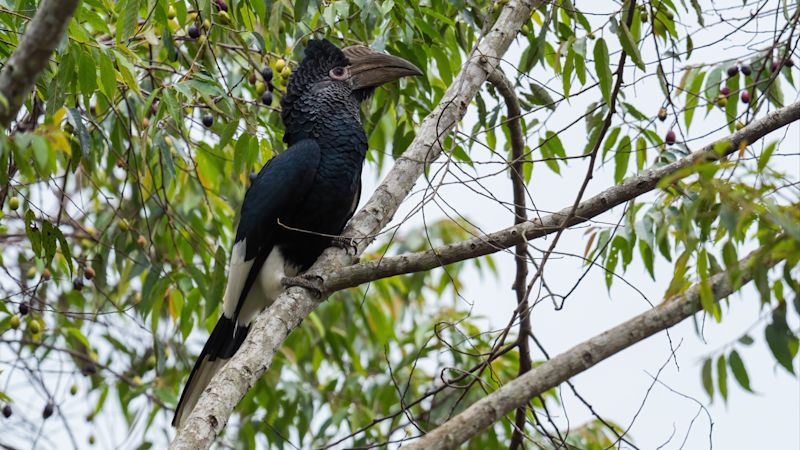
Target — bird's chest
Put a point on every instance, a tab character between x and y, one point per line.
323	213
333	194
335	189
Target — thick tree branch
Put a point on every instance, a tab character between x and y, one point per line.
630	188
41	38
272	327
519	391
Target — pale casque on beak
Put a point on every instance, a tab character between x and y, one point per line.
370	69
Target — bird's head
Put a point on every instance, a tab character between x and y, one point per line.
329	77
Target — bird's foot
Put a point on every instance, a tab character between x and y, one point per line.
346	243
311	282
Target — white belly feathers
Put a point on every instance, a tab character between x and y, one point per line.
263	292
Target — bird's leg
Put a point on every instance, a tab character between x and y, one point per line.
345	243
311	282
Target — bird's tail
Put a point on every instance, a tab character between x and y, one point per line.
224	341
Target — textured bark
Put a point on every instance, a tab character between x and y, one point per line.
550	374
630	188
273	325
41	38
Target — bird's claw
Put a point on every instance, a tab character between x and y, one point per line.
311	282
345	243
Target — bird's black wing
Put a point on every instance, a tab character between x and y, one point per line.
277	190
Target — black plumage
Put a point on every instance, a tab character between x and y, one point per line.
299	198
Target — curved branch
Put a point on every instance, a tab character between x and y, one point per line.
273	325
506	90
550	374
630	188
41	38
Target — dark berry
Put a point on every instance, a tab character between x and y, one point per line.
7	411
776	65
732	71
221	5
48	411
193	32
662	114
77	284
266	98
24	308
746	70
745	97
670	138
788	63
88	369
208	120
725	90
266	72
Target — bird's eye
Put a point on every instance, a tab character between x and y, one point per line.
338	73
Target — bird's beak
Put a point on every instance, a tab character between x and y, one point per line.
370	69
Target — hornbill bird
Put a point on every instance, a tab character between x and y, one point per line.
301	197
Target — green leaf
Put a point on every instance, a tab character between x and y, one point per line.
83	136
41	151
65	249
621	158
629	45
300	8
699	11
540	96
722	377
240	153
101	400
150	281
602	68
765	155
108	76
641	153
554	142
647	256
49	239
611	139
693	96
739	371
34	235
779	339
713	83
580	68
708	380
706	295
128	10
87	74
566	74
